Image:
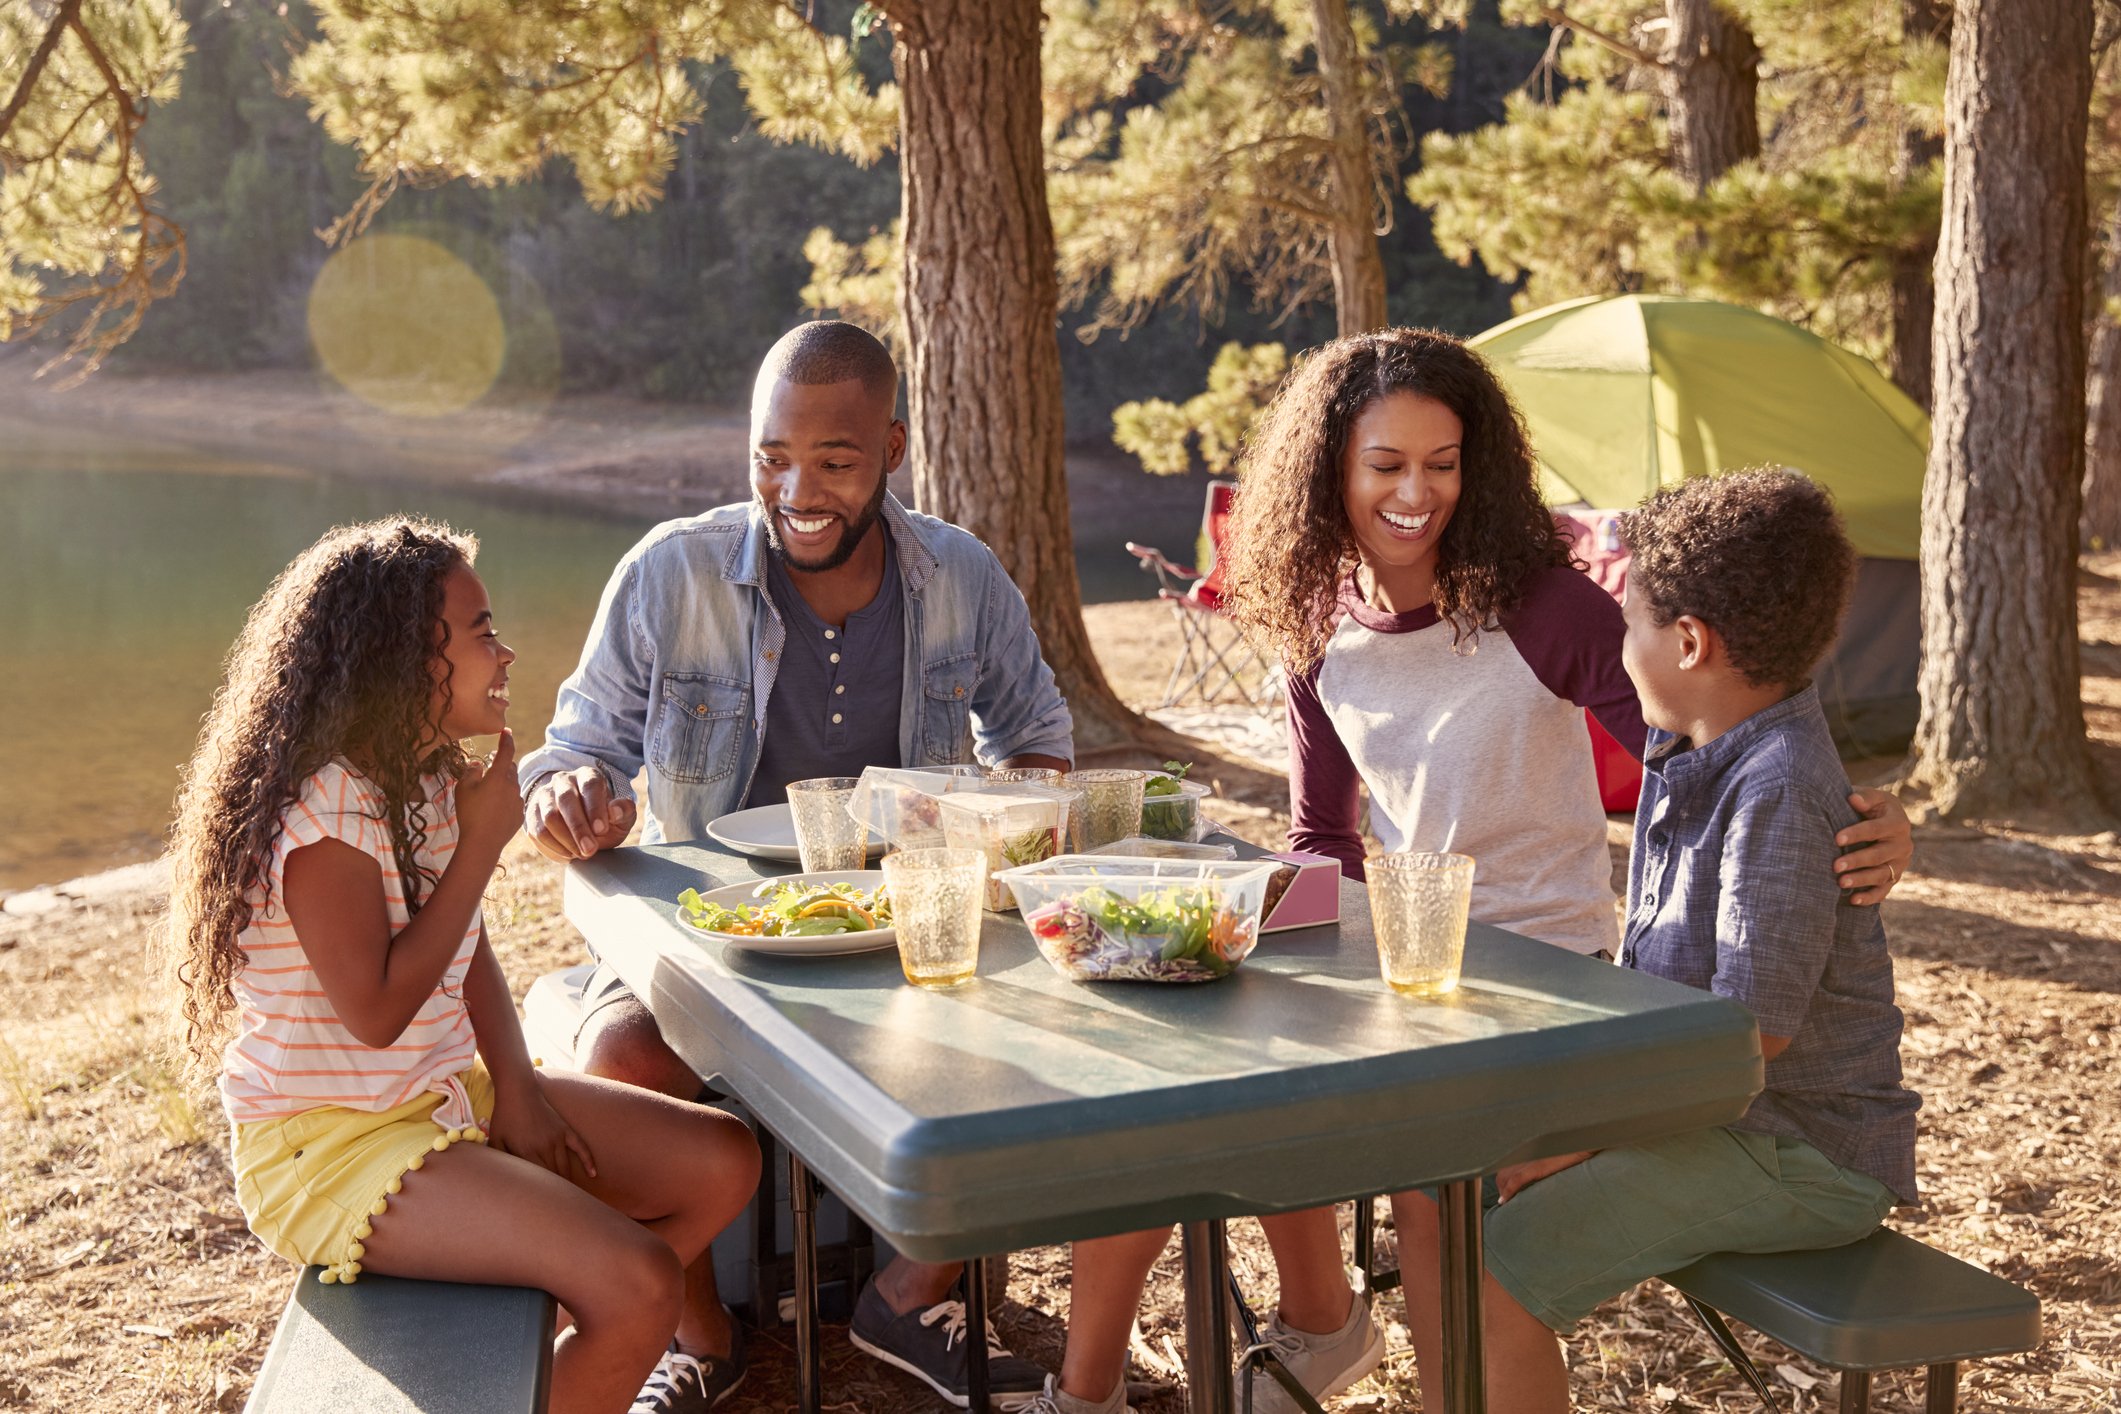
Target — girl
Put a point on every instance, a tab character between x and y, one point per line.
332	843
1390	546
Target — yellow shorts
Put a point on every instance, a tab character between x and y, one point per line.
310	1184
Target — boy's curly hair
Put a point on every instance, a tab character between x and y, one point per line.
1289	543
1760	556
339	658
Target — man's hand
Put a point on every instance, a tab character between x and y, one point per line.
1869	873
571	815
1517	1177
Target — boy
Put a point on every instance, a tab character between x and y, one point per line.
1735	590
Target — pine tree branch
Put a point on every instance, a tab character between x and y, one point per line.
1555	15
62	20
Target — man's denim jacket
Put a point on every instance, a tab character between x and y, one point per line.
680	663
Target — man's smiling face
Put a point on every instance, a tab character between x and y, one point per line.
820	453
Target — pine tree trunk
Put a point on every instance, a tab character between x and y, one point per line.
2002	727
1358	268
1914	297
1711	91
980	307
2102	436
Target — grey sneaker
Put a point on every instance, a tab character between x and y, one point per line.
1323	1364
1050	1400
930	1346
692	1384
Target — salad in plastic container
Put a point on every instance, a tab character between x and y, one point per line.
1108	918
1010	824
1171	804
905	806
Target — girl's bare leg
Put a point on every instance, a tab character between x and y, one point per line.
473	1215
1104	1293
1526	1373
680	1169
1315	1296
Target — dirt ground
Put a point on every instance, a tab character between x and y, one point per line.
128	1283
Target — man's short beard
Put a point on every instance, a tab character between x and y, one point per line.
850	537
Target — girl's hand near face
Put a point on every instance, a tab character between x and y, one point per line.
525	1124
489	804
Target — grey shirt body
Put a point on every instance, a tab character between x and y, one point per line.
835	704
1731	889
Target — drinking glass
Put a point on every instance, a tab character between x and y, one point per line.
1111	807
935	905
826	835
1418	905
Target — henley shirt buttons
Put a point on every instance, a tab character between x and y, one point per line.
835	657
835	719
838	690
830	634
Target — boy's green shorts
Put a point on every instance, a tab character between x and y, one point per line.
1576	1237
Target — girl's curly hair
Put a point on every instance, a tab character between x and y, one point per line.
340	658
1289	543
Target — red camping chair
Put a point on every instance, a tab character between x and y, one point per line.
1596	537
1213	658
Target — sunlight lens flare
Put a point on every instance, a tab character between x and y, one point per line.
406	326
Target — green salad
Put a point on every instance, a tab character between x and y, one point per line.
792	911
1171	804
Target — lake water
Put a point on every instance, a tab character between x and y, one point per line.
123	581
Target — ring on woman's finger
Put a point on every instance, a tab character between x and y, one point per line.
1891	872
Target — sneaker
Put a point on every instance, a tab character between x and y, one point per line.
1323	1364
930	1346
692	1384
1050	1400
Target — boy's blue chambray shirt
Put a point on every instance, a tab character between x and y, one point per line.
1731	889
680	664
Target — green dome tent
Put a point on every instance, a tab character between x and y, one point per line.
1627	393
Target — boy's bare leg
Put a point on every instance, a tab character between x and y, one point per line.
1526	1373
1315	1294
1104	1294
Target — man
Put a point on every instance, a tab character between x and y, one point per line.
862	634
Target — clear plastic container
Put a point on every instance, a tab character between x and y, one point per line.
904	806
1010	824
1107	918
1176	815
1142	847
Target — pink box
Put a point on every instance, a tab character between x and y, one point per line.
1304	897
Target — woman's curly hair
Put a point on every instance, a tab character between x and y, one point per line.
1289	543
340	658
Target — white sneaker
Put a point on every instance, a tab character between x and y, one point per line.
1323	1364
1051	1401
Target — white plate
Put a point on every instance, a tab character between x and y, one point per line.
830	945
764	832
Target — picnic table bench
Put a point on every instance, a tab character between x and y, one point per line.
383	1345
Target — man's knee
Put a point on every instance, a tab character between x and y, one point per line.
620	1042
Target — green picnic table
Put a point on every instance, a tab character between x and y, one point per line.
1024	1109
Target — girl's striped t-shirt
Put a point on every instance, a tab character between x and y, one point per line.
290	1052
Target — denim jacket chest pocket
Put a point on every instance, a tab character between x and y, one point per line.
700	723
946	709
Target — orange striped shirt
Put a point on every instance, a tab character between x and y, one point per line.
290	1053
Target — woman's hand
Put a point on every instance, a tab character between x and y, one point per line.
1888	847
525	1124
489	806
1517	1177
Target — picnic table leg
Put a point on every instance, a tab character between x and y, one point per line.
976	1336
1208	1354
802	1204
1464	1363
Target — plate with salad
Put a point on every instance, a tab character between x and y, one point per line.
801	915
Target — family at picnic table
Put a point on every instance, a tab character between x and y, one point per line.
1389	546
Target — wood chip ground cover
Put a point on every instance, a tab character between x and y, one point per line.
128	1283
